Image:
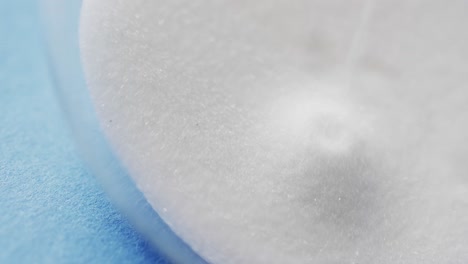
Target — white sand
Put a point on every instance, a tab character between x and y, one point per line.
281	131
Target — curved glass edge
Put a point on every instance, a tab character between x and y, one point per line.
61	22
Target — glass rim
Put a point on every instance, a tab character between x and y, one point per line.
60	23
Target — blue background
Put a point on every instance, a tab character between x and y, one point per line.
51	209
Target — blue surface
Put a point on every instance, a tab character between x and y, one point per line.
51	209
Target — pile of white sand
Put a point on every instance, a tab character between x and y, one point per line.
291	131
